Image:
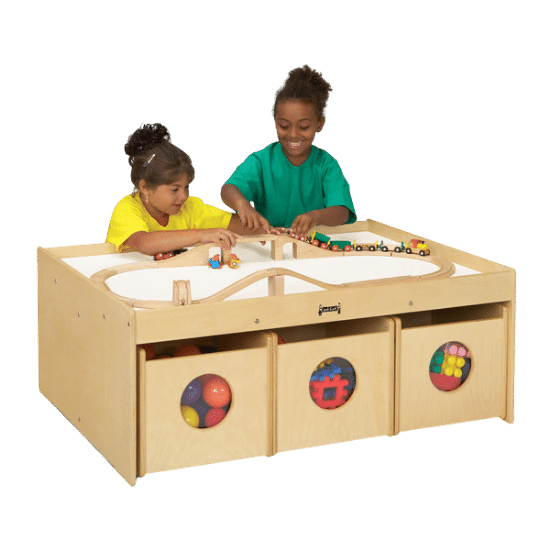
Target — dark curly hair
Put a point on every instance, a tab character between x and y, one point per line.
307	85
154	158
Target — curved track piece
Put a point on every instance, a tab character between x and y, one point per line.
198	255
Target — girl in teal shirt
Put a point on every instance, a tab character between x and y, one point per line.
292	183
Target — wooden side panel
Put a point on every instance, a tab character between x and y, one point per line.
87	360
482	395
367	413
83	250
511	329
397	376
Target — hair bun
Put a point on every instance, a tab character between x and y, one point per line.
308	75
144	138
302	73
305	84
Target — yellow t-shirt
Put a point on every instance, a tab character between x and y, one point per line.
130	216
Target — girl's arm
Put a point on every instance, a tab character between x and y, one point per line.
165	241
332	215
249	217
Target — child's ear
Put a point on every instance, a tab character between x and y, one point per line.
144	189
321	124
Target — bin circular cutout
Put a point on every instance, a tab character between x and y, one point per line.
205	401
450	366
332	383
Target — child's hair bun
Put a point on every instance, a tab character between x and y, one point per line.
144	138
305	84
306	77
307	73
154	158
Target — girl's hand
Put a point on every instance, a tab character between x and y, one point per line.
220	237
303	223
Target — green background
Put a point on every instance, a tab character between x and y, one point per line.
439	119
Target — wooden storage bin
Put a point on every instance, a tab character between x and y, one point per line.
483	330
167	441
368	345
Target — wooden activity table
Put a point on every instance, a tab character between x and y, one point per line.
428	341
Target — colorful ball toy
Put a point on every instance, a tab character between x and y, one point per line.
190	415
214	417
192	392
205	401
216	392
187	349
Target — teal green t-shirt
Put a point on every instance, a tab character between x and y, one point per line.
281	191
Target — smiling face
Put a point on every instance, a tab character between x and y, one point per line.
297	123
165	200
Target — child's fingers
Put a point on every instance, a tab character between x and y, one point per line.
227	241
227	238
255	223
266	228
247	221
262	223
297	226
302	225
305	228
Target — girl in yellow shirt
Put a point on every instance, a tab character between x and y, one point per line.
160	216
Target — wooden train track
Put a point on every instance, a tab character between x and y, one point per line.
198	256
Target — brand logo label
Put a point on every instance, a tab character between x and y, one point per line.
330	309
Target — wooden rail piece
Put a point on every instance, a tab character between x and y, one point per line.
199	256
181	293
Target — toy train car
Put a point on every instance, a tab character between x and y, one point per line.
414	246
165	255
